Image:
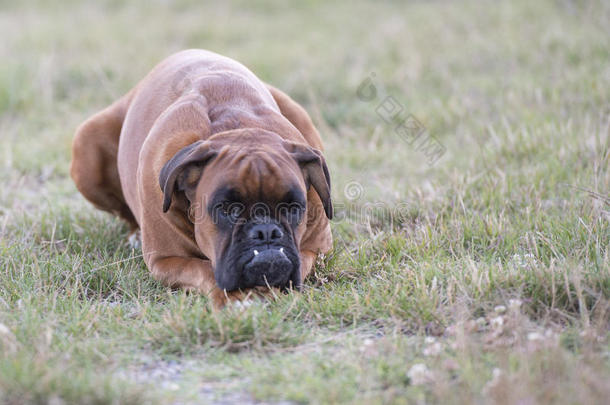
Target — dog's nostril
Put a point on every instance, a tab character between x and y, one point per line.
276	233
265	233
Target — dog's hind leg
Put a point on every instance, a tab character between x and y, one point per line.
94	160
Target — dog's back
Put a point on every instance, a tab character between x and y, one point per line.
213	94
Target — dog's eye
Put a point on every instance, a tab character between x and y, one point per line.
229	210
234	210
293	212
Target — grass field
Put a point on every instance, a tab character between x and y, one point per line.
481	277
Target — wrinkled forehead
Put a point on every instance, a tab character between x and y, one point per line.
254	175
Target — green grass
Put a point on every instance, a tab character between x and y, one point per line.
491	268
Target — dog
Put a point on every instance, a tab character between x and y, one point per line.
222	175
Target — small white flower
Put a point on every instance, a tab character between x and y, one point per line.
433	349
172	386
500	309
518	261
242	305
534	336
515	304
419	374
367	344
135	240
497	322
523	260
430	339
550	335
496	374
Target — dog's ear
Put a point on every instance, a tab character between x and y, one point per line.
315	171
182	172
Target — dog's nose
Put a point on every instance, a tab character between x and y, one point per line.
265	233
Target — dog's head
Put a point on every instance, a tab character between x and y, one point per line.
247	197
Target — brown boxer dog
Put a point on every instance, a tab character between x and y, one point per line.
222	174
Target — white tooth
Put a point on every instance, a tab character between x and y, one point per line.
255	252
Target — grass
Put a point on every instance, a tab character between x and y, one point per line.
483	278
